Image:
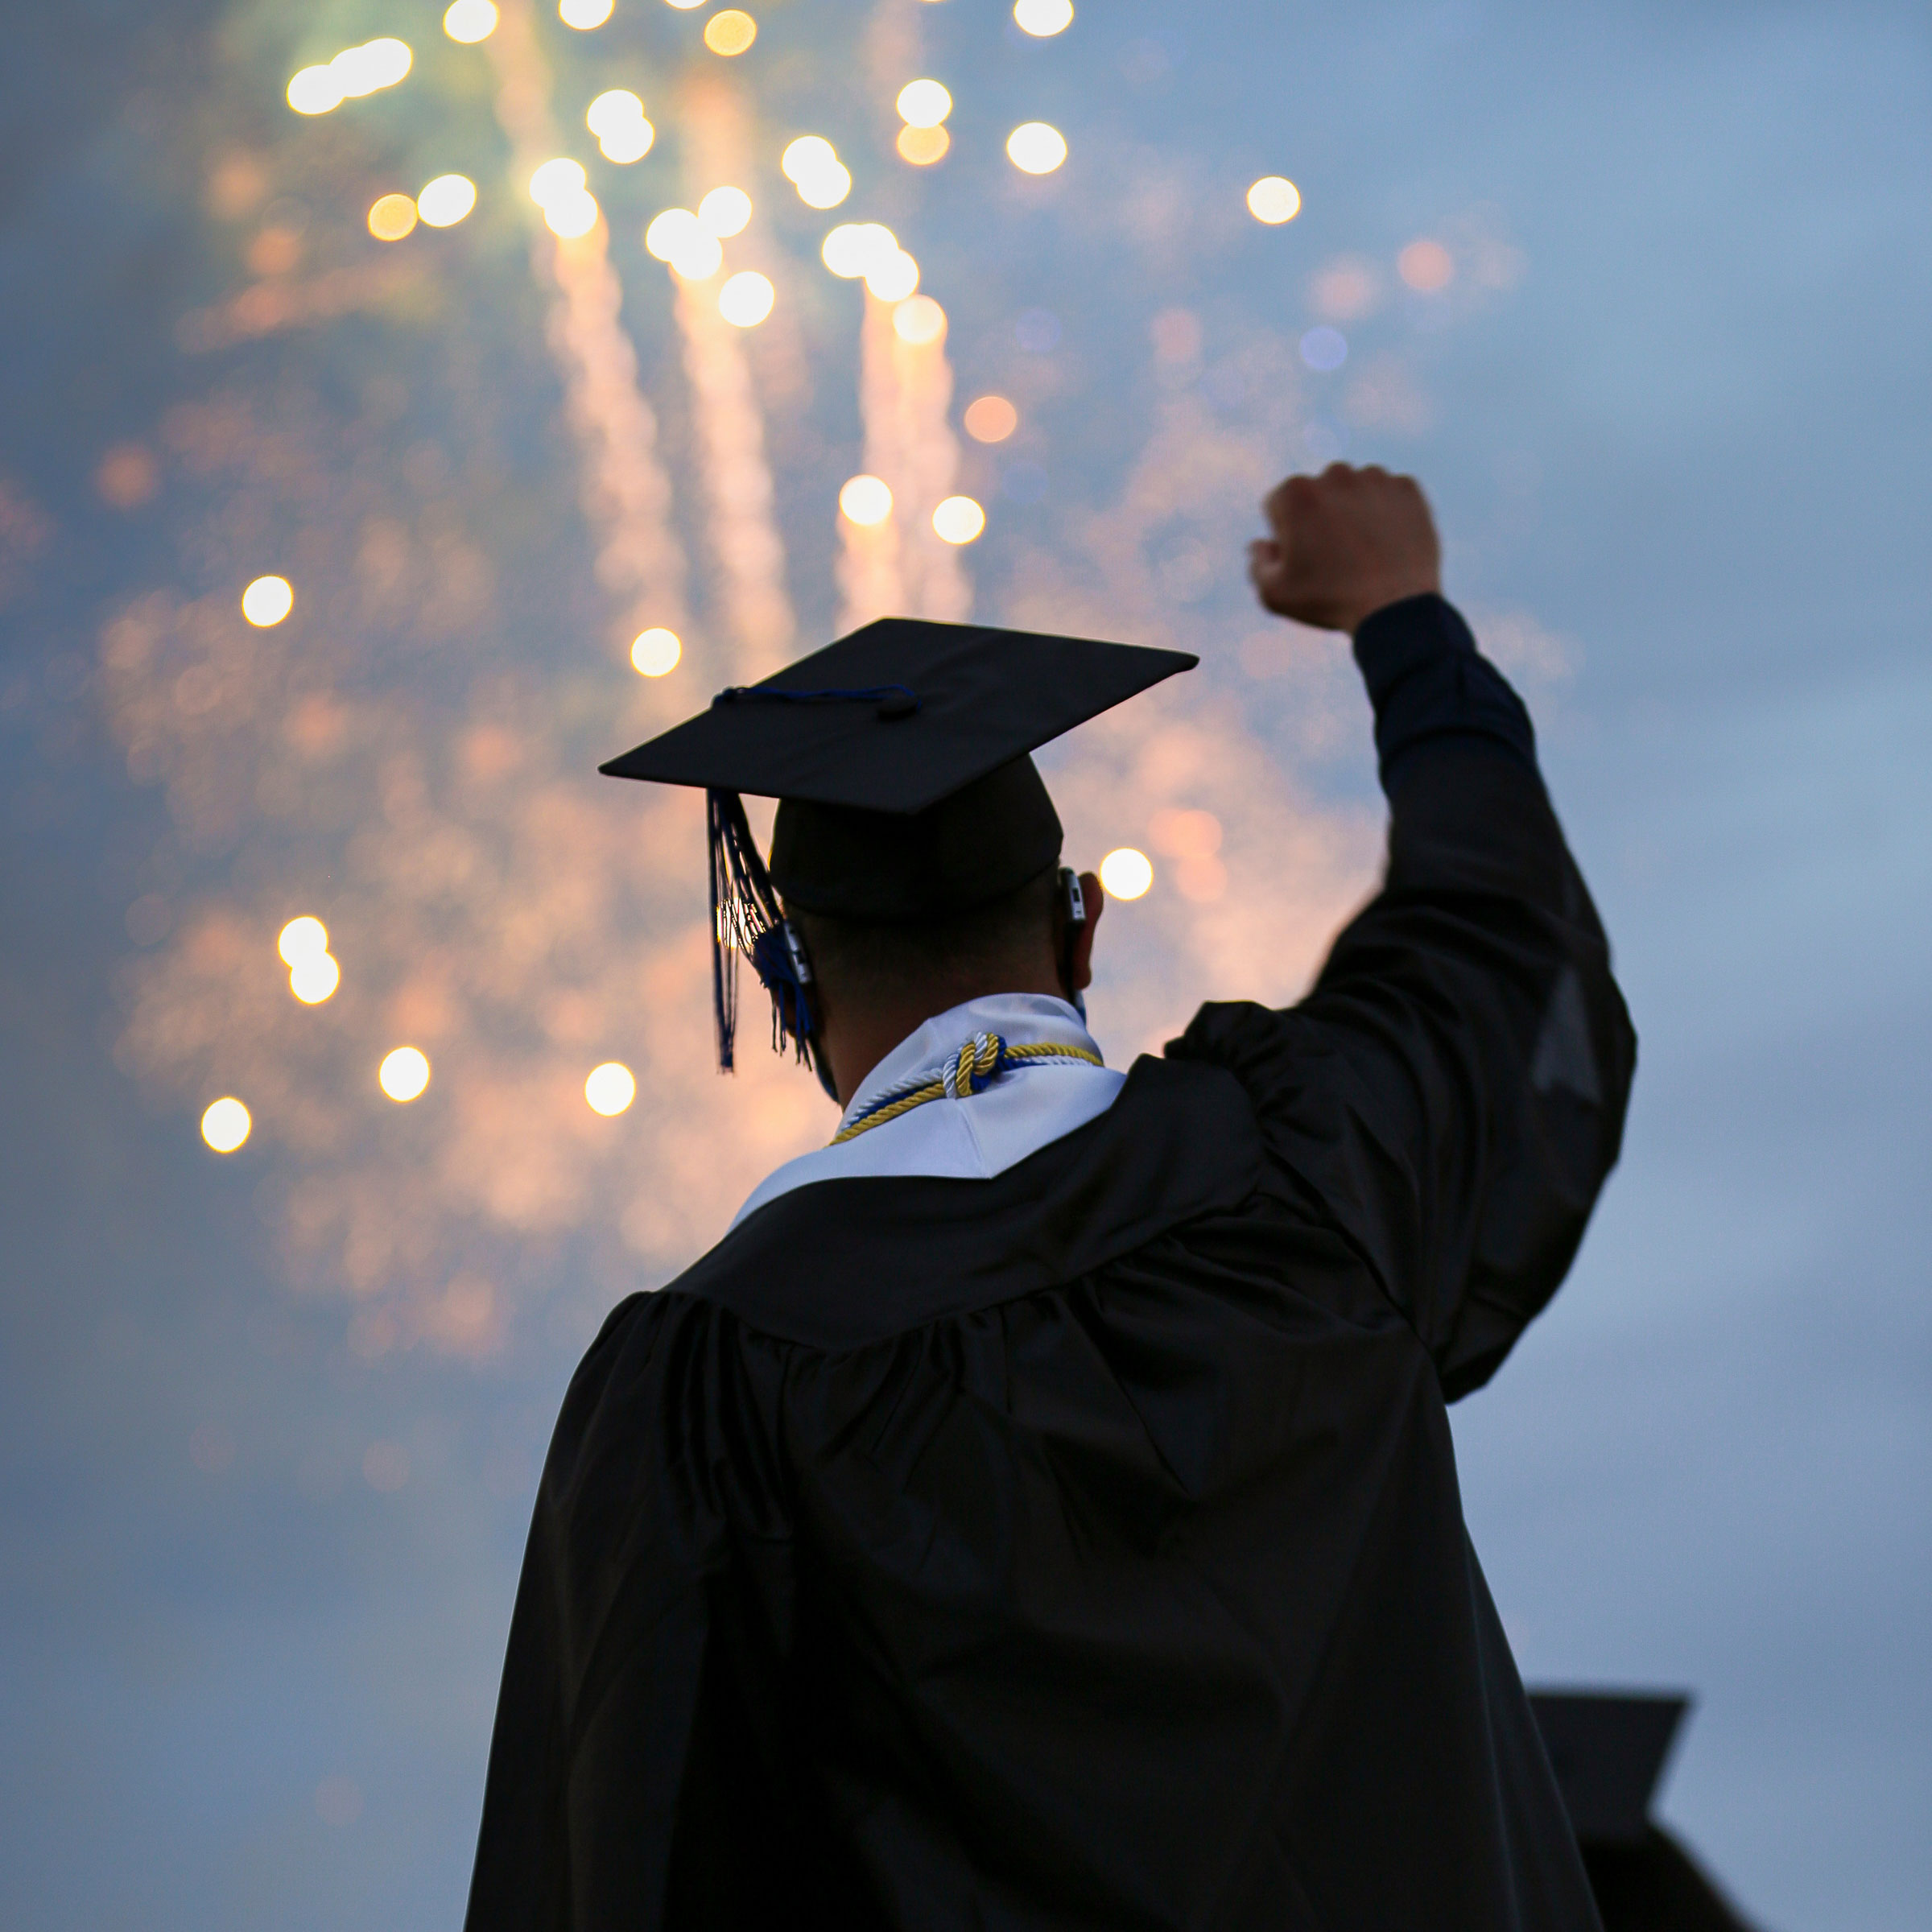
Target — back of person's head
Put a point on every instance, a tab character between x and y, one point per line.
940	960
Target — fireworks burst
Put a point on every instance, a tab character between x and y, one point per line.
402	947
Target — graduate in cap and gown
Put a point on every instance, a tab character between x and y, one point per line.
1039	1509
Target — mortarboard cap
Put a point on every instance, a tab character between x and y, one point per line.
899	757
1607	1751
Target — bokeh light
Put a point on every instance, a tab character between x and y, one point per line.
392	216
656	652
302	938
225	1123
667	232
866	501
1274	198
1324	348
1426	265
958	520
267	601
444	201
923	146
1126	873
1042	18
725	212
556	180
811	165
611	109
919	321
745	299
730	32
1036	149
610	1088
314	90
584	15
699	256
990	419
312	978
856	248
572	215
617	118
923	104
403	1074
470	21
893	278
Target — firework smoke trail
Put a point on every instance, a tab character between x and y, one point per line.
626	493
742	527
928	457
871	579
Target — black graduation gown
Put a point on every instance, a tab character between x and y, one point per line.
1083	1548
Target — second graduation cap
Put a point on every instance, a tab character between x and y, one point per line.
899	758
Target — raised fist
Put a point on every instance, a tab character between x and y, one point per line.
1345	544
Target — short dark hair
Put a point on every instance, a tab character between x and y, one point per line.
864	961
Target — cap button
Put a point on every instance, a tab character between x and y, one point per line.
899	704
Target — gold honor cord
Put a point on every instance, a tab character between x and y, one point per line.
978	1063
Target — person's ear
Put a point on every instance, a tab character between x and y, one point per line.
1080	955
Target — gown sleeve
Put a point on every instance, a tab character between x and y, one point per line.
632	1738
1451	1092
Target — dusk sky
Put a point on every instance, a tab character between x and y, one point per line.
1640	294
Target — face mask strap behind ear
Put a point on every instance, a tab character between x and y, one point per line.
1074	903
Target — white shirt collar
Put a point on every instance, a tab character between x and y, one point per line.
978	1135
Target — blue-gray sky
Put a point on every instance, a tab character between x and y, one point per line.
248	1678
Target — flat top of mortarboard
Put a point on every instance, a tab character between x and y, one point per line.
899	715
1607	1750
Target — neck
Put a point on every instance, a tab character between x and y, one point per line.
856	1040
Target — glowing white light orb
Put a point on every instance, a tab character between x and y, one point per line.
808	155
918	320
312	979
630	142
610	1087
1126	873
403	1074
584	15
923	104
612	109
315	90
656	652
376	63
572	215
828	189
444	201
470	21
745	299
958	520
855	248
730	32
392	216
699	256
895	278
1274	200
1034	148
267	601
224	1125
301	940
1042	18
866	501
684	6
670	231
724	211
556	180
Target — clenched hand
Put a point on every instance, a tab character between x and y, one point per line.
1345	544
